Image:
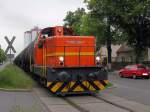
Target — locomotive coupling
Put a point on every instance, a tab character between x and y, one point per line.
92	76
64	76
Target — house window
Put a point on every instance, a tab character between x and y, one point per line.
123	59
131	59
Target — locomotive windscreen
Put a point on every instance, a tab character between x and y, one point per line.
48	32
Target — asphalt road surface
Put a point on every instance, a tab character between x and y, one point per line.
19	102
137	90
3	65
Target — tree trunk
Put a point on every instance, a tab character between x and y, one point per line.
109	50
139	53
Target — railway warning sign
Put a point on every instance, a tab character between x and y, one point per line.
10	47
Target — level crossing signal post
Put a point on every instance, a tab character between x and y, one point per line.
10	48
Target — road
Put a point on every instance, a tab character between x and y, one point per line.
19	101
137	90
3	65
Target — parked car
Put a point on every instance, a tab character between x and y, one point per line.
134	71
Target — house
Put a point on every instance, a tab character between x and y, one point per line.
104	54
127	54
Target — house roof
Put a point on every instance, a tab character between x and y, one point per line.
124	48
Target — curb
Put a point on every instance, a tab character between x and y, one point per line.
112	87
16	90
45	107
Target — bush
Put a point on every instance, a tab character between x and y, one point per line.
2	56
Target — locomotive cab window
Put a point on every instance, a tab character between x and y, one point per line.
47	33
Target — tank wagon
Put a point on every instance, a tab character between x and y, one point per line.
64	63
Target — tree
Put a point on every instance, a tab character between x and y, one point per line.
102	10
132	17
2	55
136	23
85	24
92	26
73	20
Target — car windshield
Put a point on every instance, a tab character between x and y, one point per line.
131	67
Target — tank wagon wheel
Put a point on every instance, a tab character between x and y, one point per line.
43	82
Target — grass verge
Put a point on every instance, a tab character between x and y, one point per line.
109	85
12	77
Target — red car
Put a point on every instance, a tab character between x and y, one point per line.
135	71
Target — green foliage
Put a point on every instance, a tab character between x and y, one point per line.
114	21
2	55
74	20
130	17
136	22
94	27
103	10
91	24
13	77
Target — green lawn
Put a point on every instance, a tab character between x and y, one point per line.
12	77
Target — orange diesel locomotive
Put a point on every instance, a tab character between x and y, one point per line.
64	63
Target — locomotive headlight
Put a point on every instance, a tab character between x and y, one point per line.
61	59
98	58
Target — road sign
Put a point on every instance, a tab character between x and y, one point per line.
10	47
10	56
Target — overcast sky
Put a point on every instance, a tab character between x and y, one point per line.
18	16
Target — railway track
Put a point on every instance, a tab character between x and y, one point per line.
75	105
112	103
82	108
78	103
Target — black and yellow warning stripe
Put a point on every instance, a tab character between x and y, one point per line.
76	86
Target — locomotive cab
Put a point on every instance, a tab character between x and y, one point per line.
60	49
